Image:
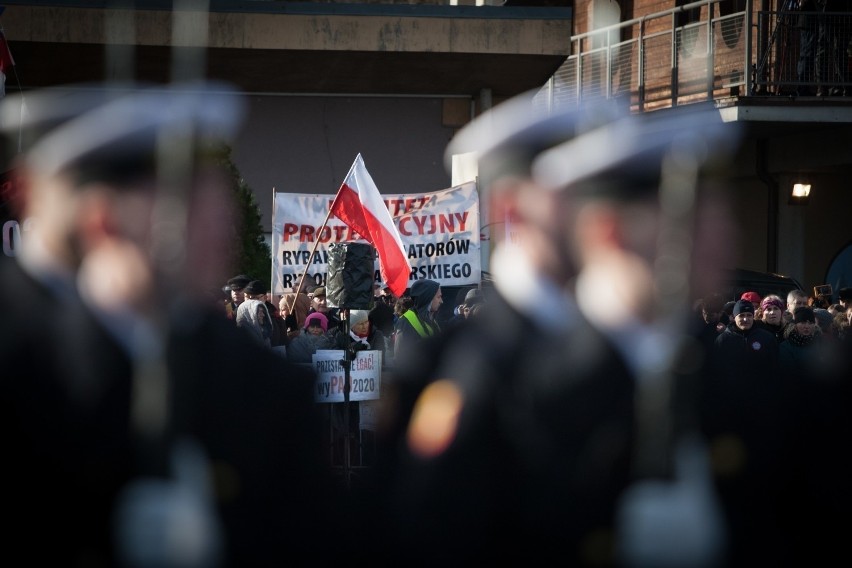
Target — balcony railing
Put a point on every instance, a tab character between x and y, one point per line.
707	50
808	53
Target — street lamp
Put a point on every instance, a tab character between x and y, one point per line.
800	194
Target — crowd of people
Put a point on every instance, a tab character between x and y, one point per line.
777	316
302	322
576	411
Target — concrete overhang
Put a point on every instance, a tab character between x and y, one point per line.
310	48
788	113
802	133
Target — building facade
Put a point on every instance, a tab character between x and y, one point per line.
393	81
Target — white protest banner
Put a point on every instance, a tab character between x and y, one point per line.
439	231
365	377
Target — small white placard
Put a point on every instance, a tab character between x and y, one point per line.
365	377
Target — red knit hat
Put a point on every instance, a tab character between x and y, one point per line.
752	297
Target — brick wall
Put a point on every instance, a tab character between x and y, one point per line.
696	73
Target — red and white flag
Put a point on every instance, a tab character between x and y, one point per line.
359	205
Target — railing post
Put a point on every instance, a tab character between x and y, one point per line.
580	71
641	102
763	25
749	62
674	76
550	94
748	65
711	51
608	69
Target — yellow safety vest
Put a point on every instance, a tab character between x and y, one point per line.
415	322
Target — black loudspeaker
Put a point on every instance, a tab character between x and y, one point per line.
350	276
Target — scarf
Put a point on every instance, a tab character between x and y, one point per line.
800	340
358	339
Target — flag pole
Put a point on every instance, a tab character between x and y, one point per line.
313	252
316	242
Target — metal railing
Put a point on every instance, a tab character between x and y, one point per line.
707	50
807	53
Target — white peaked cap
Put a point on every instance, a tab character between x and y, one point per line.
634	145
67	125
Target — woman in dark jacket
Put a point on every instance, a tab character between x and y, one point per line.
313	337
804	352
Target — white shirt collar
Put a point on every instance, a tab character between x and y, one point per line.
529	292
646	349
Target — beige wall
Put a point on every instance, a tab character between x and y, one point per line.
307	144
303	32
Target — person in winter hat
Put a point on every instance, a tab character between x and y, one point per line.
752	297
770	316
744	348
419	322
312	338
363	334
798	352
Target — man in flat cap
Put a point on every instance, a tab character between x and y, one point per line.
319	303
127	420
235	288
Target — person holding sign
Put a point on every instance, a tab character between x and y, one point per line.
363	335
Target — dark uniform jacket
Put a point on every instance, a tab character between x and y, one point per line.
70	449
754	351
757	421
540	455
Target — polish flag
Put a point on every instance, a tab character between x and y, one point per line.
359	205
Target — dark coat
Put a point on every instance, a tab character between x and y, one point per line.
777	331
747	353
540	456
70	449
331	315
302	347
782	481
406	336
376	341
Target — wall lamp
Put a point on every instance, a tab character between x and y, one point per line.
800	194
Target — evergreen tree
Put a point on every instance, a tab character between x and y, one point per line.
252	255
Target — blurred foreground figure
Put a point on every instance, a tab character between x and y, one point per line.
140	428
650	236
529	433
